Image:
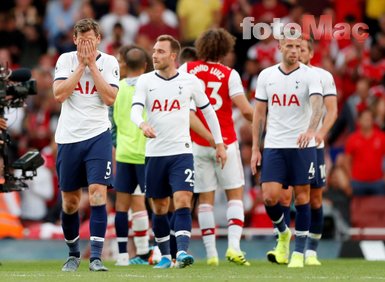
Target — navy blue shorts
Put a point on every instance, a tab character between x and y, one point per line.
288	166
84	163
128	176
320	173
166	175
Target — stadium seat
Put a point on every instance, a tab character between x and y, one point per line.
368	212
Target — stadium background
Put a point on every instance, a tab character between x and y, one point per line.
33	33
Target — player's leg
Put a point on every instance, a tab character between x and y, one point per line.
140	222
302	172
181	179
123	181
316	220
159	191
98	162
207	225
231	178
273	174
71	174
205	185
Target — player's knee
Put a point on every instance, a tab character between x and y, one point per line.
98	197
182	201
302	198
70	205
316	201
270	201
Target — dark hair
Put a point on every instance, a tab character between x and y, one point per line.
85	25
175	45
188	54
135	57
214	44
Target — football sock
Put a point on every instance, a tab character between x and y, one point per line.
277	217
235	218
207	226
182	228
70	225
315	231
98	226
161	228
302	224
173	248
121	229
286	214
140	228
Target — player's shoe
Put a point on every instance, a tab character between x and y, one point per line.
296	260
97	265
164	263
213	261
184	259
283	247
72	264
138	260
271	256
155	256
122	260
312	260
236	257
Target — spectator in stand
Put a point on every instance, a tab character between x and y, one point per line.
364	155
119	12
156	26
60	17
197	16
338	192
266	10
116	40
378	109
168	16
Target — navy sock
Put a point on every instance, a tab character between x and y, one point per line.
276	215
173	248
161	228
121	229
98	226
315	231
302	224
70	224
286	213
183	228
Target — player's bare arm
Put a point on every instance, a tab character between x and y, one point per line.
106	92
244	106
62	89
198	127
259	119
316	103
330	103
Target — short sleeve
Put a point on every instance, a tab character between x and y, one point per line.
111	73
314	81
260	91
199	96
63	67
183	67
235	84
140	92
329	86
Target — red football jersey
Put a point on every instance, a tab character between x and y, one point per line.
221	82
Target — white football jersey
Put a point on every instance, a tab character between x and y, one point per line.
167	102
328	89
289	108
83	114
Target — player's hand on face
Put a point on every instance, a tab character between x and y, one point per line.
304	139
81	52
221	154
256	160
91	51
148	131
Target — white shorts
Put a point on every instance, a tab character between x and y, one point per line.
208	173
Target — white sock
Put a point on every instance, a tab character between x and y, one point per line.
207	226
235	218
140	228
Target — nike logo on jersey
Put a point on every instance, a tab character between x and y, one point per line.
100	70
271	83
151	89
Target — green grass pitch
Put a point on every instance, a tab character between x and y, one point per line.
331	270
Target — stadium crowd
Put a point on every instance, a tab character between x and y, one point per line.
34	33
